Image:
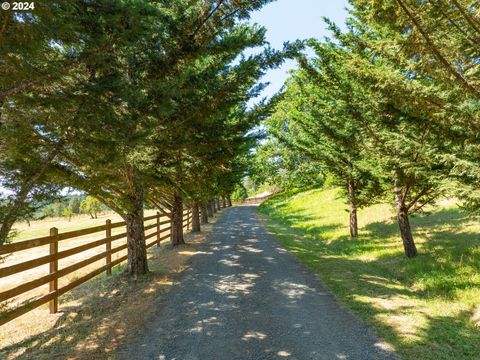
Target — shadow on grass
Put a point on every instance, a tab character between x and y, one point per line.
449	262
448	259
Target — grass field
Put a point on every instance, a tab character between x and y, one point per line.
427	307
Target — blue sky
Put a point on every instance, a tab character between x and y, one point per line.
289	20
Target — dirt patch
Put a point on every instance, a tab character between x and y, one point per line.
99	315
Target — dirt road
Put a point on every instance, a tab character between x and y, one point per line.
245	297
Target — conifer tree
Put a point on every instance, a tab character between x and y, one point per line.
317	116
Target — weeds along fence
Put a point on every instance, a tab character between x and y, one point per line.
56	250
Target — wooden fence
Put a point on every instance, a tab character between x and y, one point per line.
53	240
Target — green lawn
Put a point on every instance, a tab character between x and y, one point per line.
427	307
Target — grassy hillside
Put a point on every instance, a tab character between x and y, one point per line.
427	307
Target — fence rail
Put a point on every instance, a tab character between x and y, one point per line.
52	259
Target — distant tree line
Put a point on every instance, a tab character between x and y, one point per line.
68	207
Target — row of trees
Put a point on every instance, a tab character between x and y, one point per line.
133	102
389	107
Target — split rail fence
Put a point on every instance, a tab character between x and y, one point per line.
111	244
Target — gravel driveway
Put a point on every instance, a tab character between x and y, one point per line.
245	297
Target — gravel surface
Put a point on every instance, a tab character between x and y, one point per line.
244	297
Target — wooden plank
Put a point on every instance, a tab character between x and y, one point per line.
30	264
151	244
165	237
87	277
150	218
5	317
87	231
108	234
24	245
82	232
150	227
149	236
13	314
53	305
159	240
158	228
118	224
28	244
8	294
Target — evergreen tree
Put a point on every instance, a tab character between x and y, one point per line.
318	117
438	41
405	123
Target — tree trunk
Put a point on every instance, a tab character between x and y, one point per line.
406	233
229	200
402	216
195	218
137	251
352	202
224	202
214	208
209	208
204	212
177	220
217	199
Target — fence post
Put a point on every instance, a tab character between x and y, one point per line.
158	228
108	233
53	269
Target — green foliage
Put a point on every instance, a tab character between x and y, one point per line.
91	206
428	53
55	209
283	166
68	211
74	204
239	193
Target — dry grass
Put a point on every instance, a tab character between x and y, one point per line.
97	316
